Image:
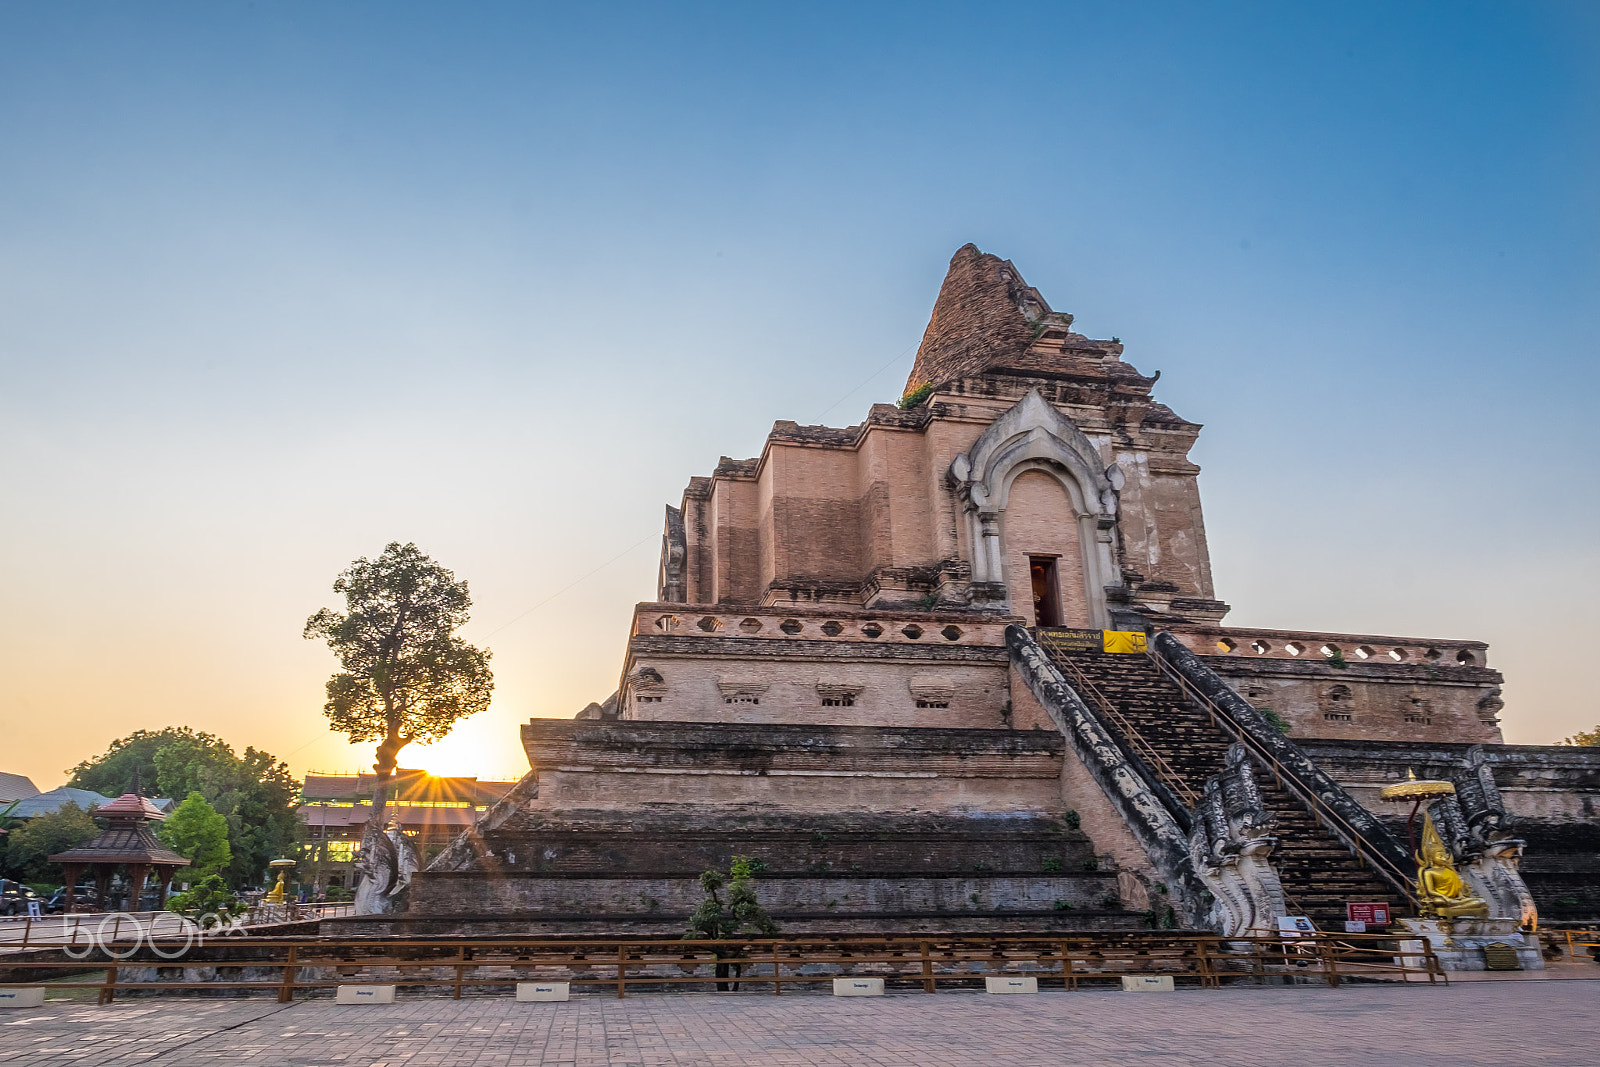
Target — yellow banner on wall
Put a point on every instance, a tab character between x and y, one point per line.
1123	640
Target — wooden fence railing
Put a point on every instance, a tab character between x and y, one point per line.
284	965
22	932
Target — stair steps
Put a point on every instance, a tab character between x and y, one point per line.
1318	872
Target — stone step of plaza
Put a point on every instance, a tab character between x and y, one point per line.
1318	872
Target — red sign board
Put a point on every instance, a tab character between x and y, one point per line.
1375	914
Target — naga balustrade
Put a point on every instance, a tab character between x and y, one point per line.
1364	850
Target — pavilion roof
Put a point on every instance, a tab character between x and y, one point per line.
125	842
131	806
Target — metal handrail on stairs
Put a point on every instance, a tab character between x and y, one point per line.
1286	778
1146	751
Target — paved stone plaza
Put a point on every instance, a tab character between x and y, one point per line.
1475	1023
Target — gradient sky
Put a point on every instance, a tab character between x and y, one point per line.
280	283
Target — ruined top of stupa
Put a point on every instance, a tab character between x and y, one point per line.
987	318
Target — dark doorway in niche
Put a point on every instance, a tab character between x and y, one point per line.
1046	591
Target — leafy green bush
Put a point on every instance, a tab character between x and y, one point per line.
915	397
209	902
741	916
1051	865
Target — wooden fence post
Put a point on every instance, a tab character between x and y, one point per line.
286	990
622	963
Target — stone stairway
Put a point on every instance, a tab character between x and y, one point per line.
1318	872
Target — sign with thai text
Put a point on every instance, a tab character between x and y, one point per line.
1124	641
1372	914
1075	640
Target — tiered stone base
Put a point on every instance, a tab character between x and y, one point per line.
638	872
1460	943
860	829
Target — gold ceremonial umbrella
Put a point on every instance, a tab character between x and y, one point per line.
1417	790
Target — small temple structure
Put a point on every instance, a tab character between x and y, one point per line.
963	666
128	843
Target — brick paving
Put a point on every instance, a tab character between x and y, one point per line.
1530	1024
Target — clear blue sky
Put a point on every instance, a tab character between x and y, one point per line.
282	282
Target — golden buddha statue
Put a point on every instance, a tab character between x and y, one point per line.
1439	888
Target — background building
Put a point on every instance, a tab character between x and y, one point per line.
335	807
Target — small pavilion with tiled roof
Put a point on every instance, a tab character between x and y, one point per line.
127	842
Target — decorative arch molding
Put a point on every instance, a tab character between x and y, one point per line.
1034	435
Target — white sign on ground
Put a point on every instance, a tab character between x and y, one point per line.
1147	983
28	997
1009	984
858	987
365	994
544	990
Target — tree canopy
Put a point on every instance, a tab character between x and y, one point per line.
29	845
406	675
133	757
254	793
199	834
1585	738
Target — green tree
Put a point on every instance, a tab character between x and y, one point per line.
133	758
741	916
197	833
406	676
45	835
255	793
1585	738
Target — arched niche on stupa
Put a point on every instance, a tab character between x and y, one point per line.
1036	444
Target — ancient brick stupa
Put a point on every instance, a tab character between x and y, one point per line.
961	666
